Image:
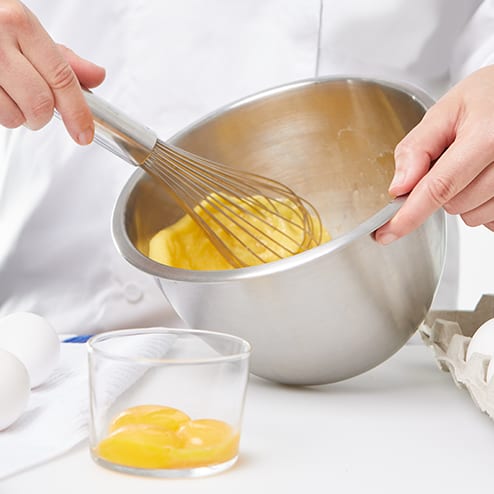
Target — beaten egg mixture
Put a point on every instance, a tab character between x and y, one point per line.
160	437
185	245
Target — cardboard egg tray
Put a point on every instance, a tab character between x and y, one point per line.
449	333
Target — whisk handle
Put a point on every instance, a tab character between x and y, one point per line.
117	132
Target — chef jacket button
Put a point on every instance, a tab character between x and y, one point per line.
132	292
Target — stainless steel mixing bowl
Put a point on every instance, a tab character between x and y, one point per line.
336	310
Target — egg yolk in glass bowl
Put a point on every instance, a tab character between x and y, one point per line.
159	437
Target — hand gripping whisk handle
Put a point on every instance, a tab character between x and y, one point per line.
119	133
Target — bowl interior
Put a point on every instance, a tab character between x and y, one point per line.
331	140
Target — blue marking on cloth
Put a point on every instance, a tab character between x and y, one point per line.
78	339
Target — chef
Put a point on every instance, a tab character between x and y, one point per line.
169	63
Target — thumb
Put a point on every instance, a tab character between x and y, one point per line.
423	145
89	74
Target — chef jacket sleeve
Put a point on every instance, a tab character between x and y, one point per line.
475	46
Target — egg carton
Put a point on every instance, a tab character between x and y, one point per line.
448	333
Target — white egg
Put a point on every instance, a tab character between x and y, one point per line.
33	341
14	388
483	342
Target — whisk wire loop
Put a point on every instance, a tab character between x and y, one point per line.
220	209
236	209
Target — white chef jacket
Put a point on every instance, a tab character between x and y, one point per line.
169	63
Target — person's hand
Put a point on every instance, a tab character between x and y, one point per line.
37	76
447	160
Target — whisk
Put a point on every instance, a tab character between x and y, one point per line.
249	218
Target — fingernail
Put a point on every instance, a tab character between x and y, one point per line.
398	179
402	163
386	238
85	137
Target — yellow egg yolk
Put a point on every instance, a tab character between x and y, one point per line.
205	440
255	237
165	417
140	446
158	437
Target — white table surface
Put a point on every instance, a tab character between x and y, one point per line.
403	427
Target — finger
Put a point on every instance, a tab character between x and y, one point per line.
478	192
456	168
421	146
89	74
47	59
27	89
481	215
10	114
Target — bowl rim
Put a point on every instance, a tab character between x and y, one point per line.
414	92
94	346
131	254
